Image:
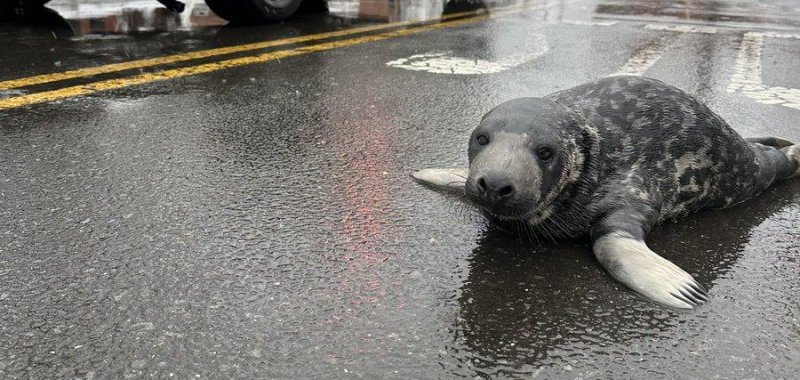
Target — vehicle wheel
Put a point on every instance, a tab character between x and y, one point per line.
313	6
31	3
15	9
23	4
253	11
458	6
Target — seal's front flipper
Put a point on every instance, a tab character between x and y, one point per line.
618	244
449	179
632	263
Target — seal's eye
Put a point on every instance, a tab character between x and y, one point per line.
545	154
482	139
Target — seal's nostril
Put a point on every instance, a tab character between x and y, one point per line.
481	185
506	191
494	187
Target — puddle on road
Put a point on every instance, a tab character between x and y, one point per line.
548	309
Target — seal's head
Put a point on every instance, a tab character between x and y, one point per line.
524	153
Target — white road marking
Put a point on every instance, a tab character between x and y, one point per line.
779	35
645	58
444	63
589	23
682	28
747	74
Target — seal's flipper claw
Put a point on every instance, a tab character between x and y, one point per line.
631	262
450	179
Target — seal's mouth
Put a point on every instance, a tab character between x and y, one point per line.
510	212
531	213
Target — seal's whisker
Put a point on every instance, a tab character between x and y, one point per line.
549	233
530	233
459	206
559	223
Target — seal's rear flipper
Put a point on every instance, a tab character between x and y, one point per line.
777	156
775	142
793	152
632	263
448	180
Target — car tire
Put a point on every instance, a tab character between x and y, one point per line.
313	6
254	11
23	4
31	3
19	9
458	6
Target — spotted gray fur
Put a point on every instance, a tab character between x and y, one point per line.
627	153
681	153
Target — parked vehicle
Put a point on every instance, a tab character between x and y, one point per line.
238	11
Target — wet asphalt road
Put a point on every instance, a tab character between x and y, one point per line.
259	221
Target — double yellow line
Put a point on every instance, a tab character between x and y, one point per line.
110	84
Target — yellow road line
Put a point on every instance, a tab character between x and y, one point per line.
149	62
110	84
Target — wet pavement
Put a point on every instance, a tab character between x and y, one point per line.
258	221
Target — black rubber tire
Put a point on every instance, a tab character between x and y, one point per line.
18	9
32	3
312	6
23	4
458	6
252	11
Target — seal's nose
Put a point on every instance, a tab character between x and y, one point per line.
495	187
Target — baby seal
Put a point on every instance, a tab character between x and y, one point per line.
610	159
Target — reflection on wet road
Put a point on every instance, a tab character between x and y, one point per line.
258	221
